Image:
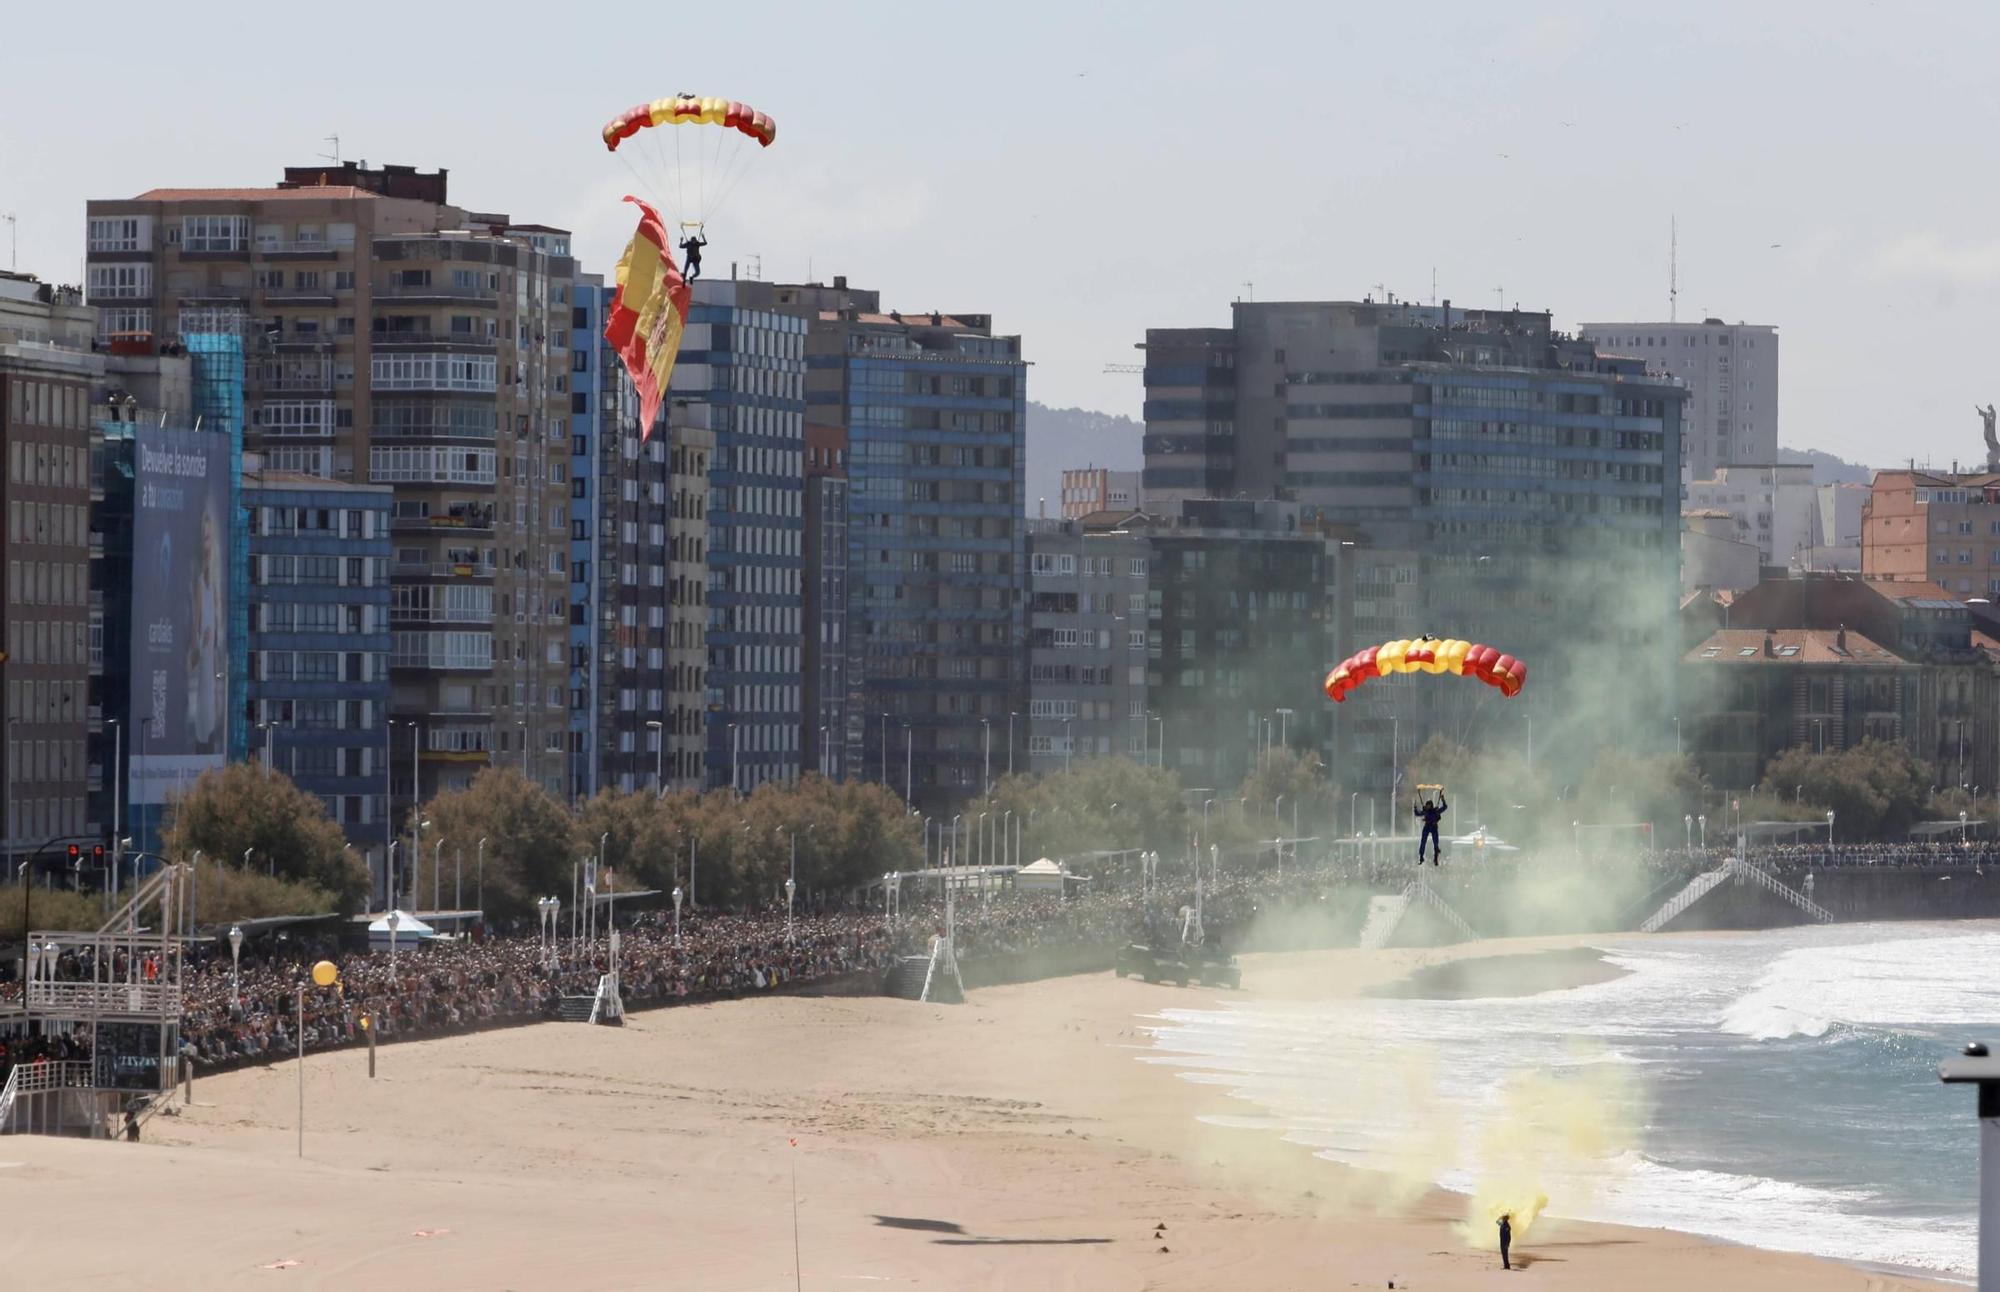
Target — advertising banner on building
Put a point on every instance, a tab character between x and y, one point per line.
180	593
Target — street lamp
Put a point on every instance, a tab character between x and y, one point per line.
1961	829
395	918
1702	822
482	875
236	965
986	733
1829	829
437	873
677	914
790	887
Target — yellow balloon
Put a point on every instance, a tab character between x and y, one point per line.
325	974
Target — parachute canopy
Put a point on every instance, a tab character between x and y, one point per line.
690	110
1428	655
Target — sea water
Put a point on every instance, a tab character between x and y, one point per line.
1780	1088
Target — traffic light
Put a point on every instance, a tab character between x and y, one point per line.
97	854
75	852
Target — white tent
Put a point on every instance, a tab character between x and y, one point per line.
1043	876
409	931
1480	841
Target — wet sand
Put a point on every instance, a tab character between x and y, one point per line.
1014	1142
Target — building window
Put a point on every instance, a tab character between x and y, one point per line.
121	233
120	282
215	232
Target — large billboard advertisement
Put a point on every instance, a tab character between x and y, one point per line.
180	624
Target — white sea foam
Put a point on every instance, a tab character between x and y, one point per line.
1747	1016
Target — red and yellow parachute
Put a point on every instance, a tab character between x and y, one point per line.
1428	655
690	110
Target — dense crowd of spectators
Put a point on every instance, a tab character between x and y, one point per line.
456	985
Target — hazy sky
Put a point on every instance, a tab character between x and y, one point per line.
1083	171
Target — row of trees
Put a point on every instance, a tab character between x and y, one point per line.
268	848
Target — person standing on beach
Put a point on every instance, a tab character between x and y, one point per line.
1506	1240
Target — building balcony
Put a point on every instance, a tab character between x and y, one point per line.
322	296
443	293
440	570
315	250
448	341
468	520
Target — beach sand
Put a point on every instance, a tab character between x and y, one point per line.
1013	1142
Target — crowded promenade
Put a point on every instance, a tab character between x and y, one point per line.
510	977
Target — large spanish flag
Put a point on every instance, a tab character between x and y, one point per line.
648	312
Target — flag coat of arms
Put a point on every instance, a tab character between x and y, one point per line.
648	312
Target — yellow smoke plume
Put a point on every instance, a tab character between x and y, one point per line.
1546	1134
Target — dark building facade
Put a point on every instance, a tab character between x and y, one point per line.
47	388
319	642
1239	601
824	738
1501	480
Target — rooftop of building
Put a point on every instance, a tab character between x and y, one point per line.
1790	646
328	193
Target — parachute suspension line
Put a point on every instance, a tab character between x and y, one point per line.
733	172
680	180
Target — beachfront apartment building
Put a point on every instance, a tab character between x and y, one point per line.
1087	640
933	408
741	380
48	386
318	678
825	737
393	338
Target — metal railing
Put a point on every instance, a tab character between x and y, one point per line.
91	998
1419	889
1697	888
37	1079
1782	889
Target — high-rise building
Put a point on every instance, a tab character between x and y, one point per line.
934	407
48	379
1501	481
1241	613
741	377
1190	411
1087	620
1731	374
319	643
392	338
1087	490
826	625
600	396
690	451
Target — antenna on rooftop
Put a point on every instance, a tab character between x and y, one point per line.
333	156
13	239
1673	269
